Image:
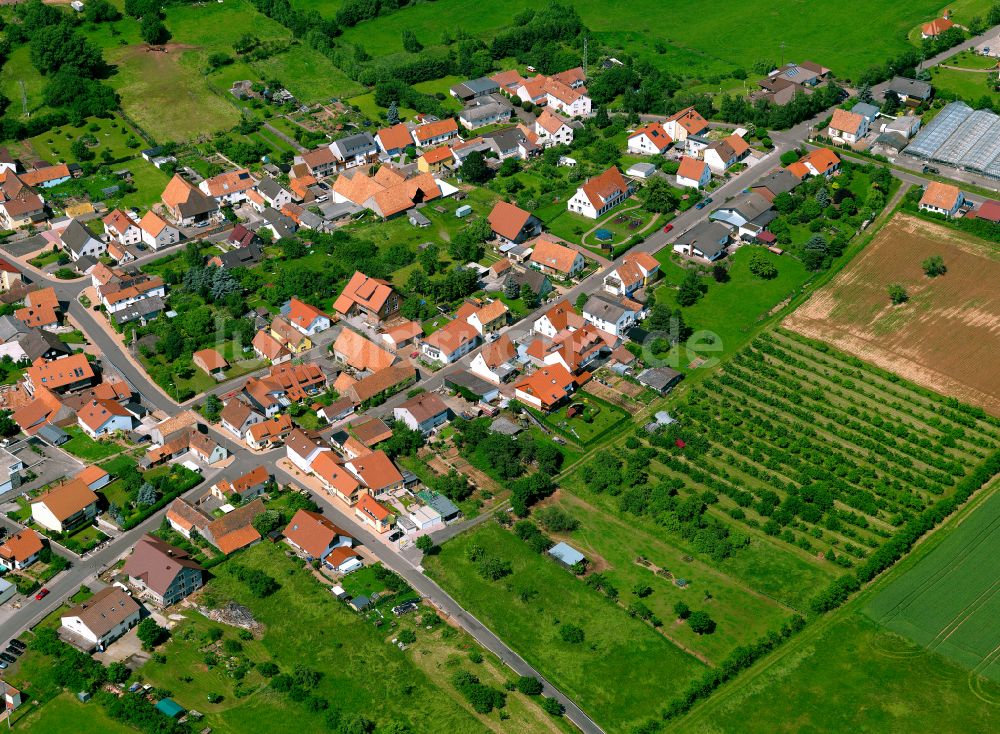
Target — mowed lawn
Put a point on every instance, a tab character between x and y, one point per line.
621	673
726	315
361	672
949	602
64	714
734	35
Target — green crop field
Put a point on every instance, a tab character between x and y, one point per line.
848	673
950	601
705	43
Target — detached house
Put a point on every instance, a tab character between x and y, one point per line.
376	472
650	139
302	450
941	198
553	258
547	387
101	417
370	297
20	550
725	153
613	316
684	123
495	361
693	174
551	129
490	110
847	127
818	162
558	318
122	227
354	150
432	134
393	140
156	233
79	242
489	318
161	572
65	507
60	375
636	271
451	342
248	487
423	412
373	514
359	353
511	224
708	240
273	193
305	318
315	536
237	417
103	618
187	204
599	194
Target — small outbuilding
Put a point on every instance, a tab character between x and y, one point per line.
170	708
566	554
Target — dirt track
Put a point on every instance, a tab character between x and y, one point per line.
945	338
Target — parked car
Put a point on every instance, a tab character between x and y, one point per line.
18	644
701	205
42	594
667	228
13	650
930	169
3	665
7	657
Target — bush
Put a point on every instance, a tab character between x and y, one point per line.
407	637
557	520
762	267
552	707
701	623
571	633
529	685
934	266
898	294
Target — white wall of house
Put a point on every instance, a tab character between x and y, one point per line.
112	424
641	145
167	236
76	625
92	248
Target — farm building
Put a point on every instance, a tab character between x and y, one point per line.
566	554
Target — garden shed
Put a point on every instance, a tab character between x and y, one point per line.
170	708
566	554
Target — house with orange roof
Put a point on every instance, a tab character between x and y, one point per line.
650	139
269	433
489	318
936	27
818	162
265	346
370	297
553	258
941	198
394	140
376	472
306	318
120	226
65	507
638	269
102	417
20	550
551	128
210	361
297	381
314	535
237	416
185	517
495	361
187	203
60	375
693	174
94	477
41	309
359	353
847	127
512	225
384	382
302	449
547	387
46	177
559	317
434	133
301	186
247	487
600	194
120	293
289	337
575	350
230	187
684	123
156	233
329	469
122	253
374	514
235	529
726	153
403	334
451	342
388	193
435	159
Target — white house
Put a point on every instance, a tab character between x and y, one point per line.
611	315
706	239
156	233
306	319
847	127
273	193
650	139
552	129
693	174
79	242
495	361
237	417
101	417
599	194
423	412
302	450
725	153
65	507
120	226
104	617
230	187
941	198
451	342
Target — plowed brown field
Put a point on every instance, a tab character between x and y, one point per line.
946	337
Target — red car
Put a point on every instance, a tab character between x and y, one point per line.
668	228
42	594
